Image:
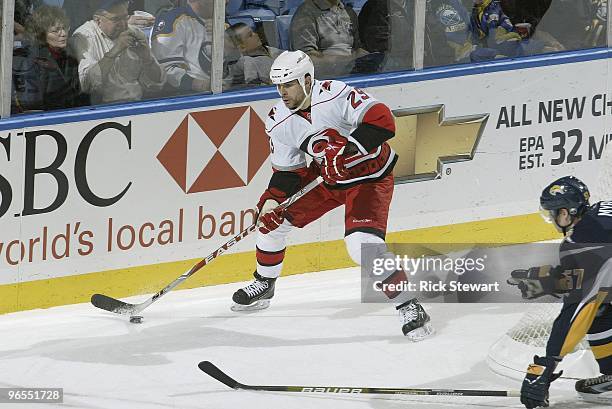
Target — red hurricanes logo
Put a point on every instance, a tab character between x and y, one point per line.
325	86
216	149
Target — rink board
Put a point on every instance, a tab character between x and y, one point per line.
122	204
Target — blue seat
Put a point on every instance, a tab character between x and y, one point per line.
291	6
248	20
56	3
283	24
258	14
277	6
233	6
357	5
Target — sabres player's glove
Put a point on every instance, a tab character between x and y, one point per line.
270	214
537	281
540	375
327	145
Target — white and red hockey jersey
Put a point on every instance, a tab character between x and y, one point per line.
366	122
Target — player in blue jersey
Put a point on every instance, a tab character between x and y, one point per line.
585	278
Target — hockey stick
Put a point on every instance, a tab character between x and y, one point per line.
571	378
120	307
210	369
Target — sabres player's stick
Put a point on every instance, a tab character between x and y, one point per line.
120	307
210	369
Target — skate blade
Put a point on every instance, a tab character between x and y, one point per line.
256	306
602	398
421	333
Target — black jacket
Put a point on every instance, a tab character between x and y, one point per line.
387	26
45	81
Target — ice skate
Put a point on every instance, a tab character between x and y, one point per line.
596	390
415	321
255	296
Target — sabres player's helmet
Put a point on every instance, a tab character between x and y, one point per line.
568	193
292	65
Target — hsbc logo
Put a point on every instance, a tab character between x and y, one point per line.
55	164
216	149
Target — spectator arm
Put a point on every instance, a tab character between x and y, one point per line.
304	34
169	52
548	40
152	76
105	65
91	71
153	71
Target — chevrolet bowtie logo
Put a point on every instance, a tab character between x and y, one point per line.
216	149
425	140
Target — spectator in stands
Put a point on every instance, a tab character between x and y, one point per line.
233	67
45	73
573	23
257	58
453	19
23	11
386	26
156	7
115	62
182	43
597	30
80	11
528	11
329	33
495	30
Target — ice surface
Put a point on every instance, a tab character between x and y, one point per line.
316	332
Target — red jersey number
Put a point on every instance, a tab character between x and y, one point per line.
357	96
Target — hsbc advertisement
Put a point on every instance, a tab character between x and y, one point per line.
138	190
100	195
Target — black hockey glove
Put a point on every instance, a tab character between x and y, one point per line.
540	375
537	281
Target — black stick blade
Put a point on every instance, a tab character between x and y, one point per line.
210	369
111	304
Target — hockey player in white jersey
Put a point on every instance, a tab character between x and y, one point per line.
345	130
585	277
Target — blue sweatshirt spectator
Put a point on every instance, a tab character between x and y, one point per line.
493	28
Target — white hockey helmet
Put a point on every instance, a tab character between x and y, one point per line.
292	65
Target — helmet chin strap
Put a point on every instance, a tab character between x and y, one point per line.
306	101
567	228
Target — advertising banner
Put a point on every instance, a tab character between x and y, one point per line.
117	193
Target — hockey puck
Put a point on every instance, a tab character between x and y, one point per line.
136	319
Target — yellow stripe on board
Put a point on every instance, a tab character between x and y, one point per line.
240	266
